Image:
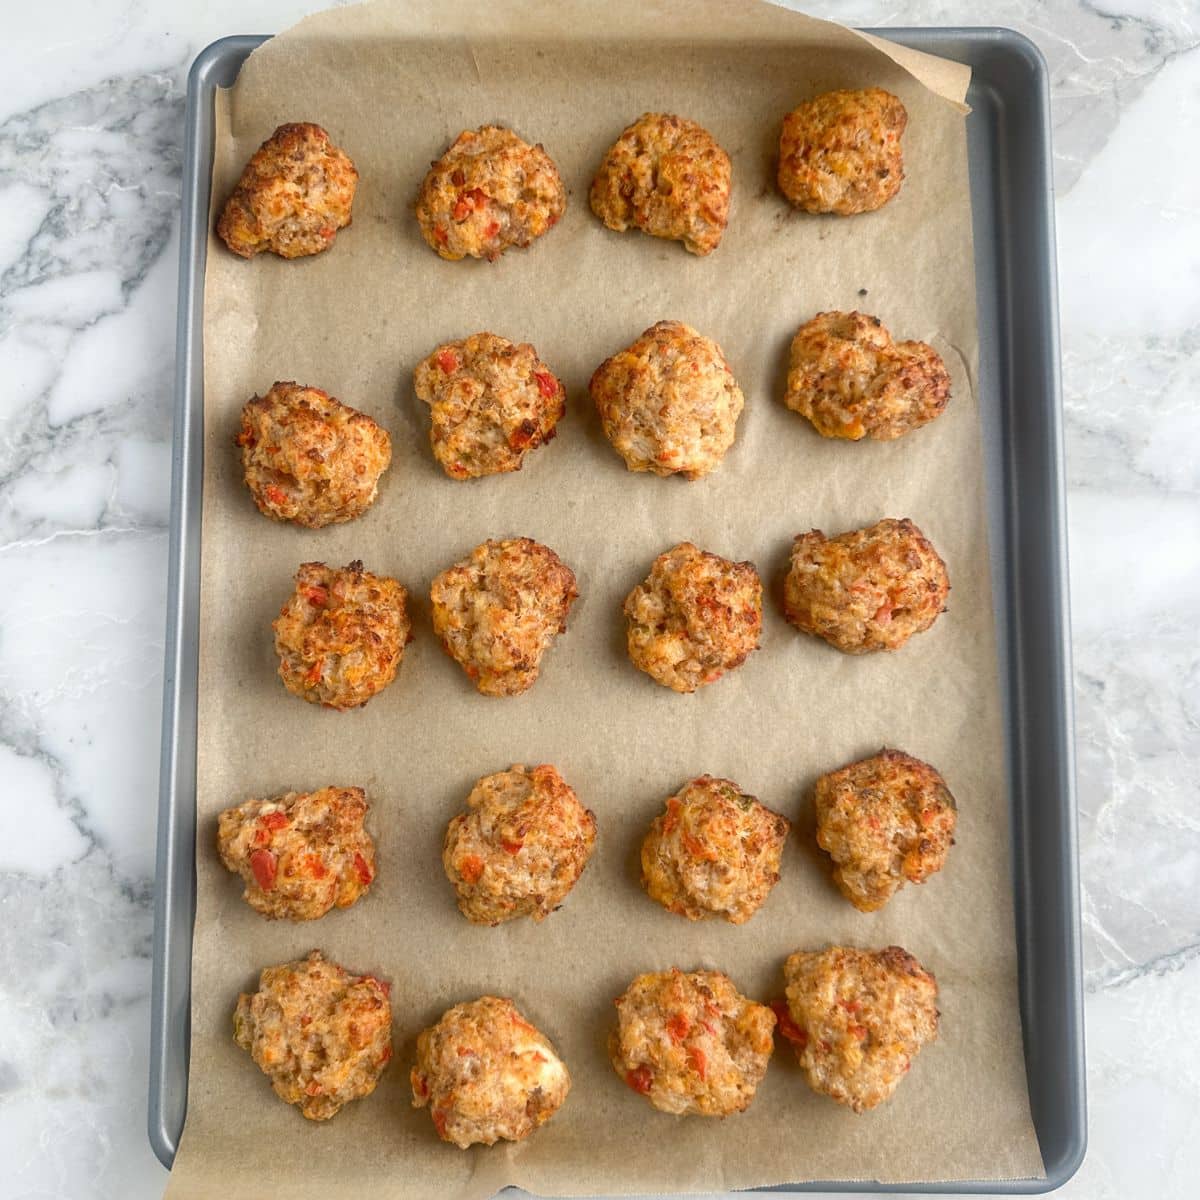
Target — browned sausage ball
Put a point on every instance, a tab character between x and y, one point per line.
487	1073
870	589
666	176
498	610
695	617
857	1019
488	192
840	152
852	381
669	402
884	820
341	634
299	854
294	195
520	847
320	1034
692	1044
715	852
309	458
491	403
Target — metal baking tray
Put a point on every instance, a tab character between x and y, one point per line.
1012	202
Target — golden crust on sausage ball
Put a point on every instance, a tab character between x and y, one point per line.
520	847
666	176
852	381
840	152
857	1019
320	1034
486	1073
491	402
714	852
669	402
884	820
498	610
341	634
489	191
694	617
299	854
869	589
294	195
309	458
691	1043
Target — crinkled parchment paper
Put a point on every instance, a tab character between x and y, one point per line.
394	83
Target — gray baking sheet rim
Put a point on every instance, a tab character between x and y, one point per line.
1012	202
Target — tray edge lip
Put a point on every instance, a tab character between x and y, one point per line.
164	1141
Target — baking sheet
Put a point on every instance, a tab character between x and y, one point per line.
355	321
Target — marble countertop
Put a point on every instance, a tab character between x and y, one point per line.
91	112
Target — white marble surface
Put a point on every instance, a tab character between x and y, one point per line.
91	107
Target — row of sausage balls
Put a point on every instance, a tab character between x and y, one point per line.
668	403
524	841
341	634
689	1042
665	175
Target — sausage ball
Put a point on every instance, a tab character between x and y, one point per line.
857	1019
691	1043
695	617
850	379
520	847
341	634
488	192
487	1074
870	589
669	403
498	610
840	152
491	403
322	1035
666	176
884	820
300	854
309	458
714	852
294	195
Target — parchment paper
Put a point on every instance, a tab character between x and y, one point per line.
394	83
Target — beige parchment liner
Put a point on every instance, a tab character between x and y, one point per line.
394	83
